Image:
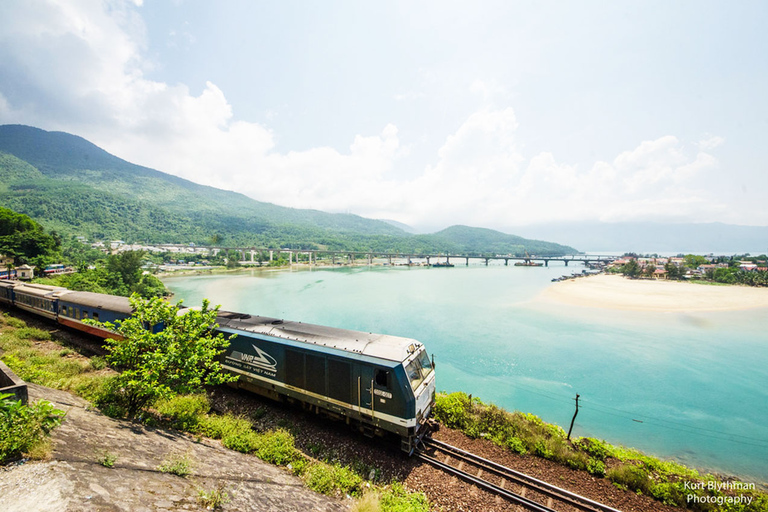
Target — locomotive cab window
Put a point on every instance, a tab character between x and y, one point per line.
96	316
418	369
382	379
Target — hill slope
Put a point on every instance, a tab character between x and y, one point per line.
70	185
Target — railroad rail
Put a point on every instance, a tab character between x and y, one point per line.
504	477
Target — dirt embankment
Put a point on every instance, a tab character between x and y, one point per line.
75	481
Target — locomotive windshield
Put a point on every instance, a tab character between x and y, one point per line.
418	369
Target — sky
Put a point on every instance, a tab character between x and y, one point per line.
495	114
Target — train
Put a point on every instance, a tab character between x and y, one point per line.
377	383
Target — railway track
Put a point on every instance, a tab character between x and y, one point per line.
519	488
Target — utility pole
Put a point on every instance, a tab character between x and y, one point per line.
574	417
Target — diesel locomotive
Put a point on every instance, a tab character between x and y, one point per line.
376	382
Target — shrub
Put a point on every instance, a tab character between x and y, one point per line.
185	412
593	447
22	427
332	480
277	447
630	476
596	467
222	426
246	441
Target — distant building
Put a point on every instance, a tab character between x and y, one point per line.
26	272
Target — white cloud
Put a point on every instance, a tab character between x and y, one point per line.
710	142
79	66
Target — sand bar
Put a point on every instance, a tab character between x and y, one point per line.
618	292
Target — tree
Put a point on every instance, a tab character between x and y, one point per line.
631	268
650	269
181	358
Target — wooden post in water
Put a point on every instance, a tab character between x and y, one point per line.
574	417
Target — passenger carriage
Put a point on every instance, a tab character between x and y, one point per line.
38	298
74	307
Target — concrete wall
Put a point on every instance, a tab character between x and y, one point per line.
10	383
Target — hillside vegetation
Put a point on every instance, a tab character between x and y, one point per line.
74	187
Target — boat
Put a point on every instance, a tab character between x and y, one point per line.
446	264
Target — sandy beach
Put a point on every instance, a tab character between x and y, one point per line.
618	292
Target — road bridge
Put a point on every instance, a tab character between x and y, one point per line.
252	255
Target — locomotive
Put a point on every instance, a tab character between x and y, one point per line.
376	382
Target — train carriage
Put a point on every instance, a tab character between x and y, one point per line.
376	381
6	291
74	307
38	298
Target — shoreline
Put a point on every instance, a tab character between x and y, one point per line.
605	291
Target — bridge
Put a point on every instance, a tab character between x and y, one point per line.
252	255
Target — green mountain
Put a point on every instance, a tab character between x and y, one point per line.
76	188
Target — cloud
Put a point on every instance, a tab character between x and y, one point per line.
80	66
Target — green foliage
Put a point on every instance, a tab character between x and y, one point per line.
111	281
24	426
631	477
214	498
596	467
107	459
15	322
594	447
631	268
25	239
396	498
185	412
179	464
277	447
223	426
180	359
332	480
70	185
33	333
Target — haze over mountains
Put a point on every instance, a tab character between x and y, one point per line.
72	186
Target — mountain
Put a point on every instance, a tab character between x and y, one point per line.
74	187
656	237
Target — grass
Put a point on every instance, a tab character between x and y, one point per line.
179	464
626	468
52	365
214	498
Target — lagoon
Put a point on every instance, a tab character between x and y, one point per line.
687	386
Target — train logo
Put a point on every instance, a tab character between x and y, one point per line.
260	360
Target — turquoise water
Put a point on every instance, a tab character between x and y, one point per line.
688	387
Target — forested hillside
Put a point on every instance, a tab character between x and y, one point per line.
74	187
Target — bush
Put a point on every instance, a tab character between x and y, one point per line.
593	447
332	480
242	441
185	412
24	426
596	467
630	476
277	447
222	426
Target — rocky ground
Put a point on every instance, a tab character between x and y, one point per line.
74	480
